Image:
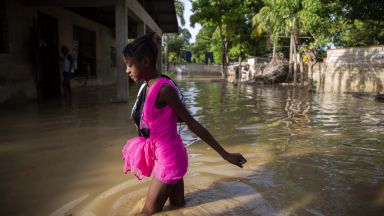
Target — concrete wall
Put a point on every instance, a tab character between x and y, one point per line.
356	69
356	55
105	74
16	77
193	68
17	82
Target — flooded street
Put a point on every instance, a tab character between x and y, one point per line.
308	154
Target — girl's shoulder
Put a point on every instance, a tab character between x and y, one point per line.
174	86
169	92
164	86
167	89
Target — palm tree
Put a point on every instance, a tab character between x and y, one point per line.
277	18
263	22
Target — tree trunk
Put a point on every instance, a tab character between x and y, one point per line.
320	78
310	76
223	53
274	51
301	72
223	61
240	72
290	57
226	53
225	58
294	43
294	63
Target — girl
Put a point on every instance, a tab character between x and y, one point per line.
160	148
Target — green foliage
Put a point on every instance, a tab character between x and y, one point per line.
357	23
361	33
344	23
250	27
276	19
202	44
226	29
223	16
179	7
176	44
316	21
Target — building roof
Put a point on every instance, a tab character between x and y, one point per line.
163	12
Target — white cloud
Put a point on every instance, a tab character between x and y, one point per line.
187	14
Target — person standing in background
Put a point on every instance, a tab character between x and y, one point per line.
68	72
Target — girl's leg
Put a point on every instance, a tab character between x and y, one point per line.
177	194
158	194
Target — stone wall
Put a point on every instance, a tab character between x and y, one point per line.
193	68
358	69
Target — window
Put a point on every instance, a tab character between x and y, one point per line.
84	52
4	32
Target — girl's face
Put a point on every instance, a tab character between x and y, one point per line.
134	69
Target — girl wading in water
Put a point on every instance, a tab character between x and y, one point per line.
159	148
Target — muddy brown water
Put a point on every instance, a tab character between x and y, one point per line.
308	154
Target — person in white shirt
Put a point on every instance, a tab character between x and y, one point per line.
68	72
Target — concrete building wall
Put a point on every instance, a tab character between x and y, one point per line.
358	69
17	78
105	74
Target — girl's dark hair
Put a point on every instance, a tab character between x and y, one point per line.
141	47
64	49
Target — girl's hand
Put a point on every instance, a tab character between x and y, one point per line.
236	159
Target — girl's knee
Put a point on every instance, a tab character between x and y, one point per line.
153	206
157	196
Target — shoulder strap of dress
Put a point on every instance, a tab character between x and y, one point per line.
152	94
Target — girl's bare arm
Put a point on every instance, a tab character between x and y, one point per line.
168	95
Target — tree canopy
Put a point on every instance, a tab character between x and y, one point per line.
231	28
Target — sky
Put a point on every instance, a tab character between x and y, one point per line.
187	14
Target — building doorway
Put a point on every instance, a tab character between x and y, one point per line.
48	58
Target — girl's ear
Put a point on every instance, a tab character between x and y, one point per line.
146	62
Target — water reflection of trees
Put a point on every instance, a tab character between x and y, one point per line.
329	131
225	107
298	105
318	140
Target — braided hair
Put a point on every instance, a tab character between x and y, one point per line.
142	47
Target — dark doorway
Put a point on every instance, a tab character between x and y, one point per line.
48	51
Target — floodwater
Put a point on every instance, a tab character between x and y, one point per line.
308	154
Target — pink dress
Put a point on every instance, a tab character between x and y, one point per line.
163	152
